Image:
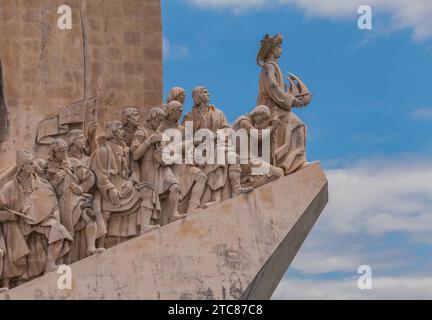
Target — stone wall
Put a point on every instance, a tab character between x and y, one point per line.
113	51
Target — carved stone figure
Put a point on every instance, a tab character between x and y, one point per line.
78	146
177	94
127	205
130	122
259	119
37	240
72	182
192	180
273	93
13	246
147	149
224	181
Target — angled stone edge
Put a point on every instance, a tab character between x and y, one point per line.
238	249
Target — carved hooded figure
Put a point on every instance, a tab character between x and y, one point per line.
273	93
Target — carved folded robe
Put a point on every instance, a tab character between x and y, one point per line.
270	171
218	188
114	169
12	241
45	229
72	206
291	134
186	174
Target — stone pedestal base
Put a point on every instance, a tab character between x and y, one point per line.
239	249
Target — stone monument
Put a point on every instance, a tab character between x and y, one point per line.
139	207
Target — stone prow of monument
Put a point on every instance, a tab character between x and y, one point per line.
238	249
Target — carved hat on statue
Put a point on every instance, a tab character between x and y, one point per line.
267	45
23	157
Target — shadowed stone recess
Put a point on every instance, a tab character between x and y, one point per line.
3	109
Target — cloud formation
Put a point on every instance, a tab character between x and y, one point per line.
346	289
380	211
422	114
173	51
414	14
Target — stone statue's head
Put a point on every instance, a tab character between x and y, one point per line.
114	129
59	150
174	110
260	116
200	94
76	138
131	116
25	161
177	94
270	47
154	117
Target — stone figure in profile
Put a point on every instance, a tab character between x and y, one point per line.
72	182
13	245
131	123
78	146
274	93
224	180
126	205
192	179
34	237
259	119
147	150
177	94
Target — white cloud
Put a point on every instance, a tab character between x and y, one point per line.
422	114
174	51
370	202
346	289
415	14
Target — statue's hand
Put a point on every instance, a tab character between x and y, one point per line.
77	189
92	126
154	138
127	189
12	217
114	197
58	177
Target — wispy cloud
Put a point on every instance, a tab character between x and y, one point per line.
379	211
414	14
345	289
174	51
422	114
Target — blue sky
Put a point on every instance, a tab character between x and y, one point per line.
369	124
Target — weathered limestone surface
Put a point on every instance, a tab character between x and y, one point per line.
114	51
238	249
